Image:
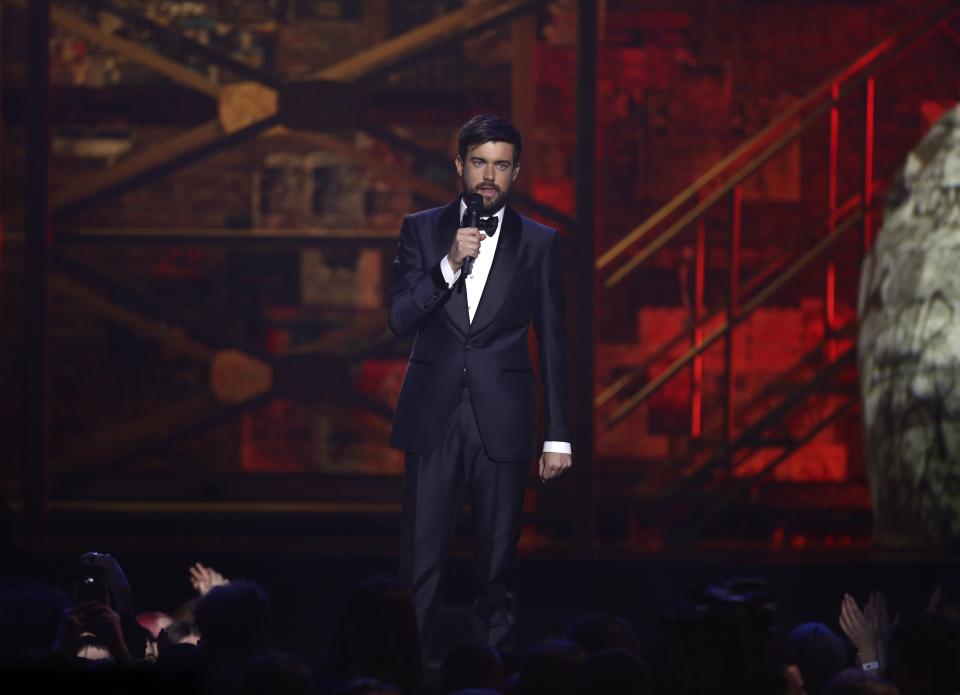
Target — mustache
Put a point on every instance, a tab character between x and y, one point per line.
481	186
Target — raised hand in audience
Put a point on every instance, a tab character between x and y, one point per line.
878	613
97	620
866	629
204	578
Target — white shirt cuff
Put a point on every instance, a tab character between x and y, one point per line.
558	448
447	270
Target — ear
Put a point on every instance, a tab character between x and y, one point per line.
458	163
516	170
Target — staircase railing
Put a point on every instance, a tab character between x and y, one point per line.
725	180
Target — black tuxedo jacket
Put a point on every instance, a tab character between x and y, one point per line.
493	352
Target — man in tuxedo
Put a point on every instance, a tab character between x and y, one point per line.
466	412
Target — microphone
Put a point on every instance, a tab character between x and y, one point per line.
471	218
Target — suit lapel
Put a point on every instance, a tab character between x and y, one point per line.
456	306
501	272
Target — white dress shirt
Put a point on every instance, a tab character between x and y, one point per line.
476	281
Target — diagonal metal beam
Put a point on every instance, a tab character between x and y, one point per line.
708	323
773	419
90	186
331	143
155	161
126	444
739	488
148	315
111	443
186	45
170	335
952	33
179	150
721	329
661	473
134	51
448	27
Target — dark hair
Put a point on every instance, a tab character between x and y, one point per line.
234	619
596	632
377	635
485	127
820	653
551	667
276	672
924	654
612	671
471	665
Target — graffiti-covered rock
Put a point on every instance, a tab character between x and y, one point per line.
909	349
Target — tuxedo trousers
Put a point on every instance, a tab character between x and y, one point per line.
435	486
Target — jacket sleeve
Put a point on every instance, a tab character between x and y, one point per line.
417	291
549	323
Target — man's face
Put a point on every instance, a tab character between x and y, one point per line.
488	170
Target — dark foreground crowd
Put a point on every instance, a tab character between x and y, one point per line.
723	639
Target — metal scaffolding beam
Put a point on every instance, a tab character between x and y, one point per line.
35	261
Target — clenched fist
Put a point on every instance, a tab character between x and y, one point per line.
553	463
465	243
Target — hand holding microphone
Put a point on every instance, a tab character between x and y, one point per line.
466	244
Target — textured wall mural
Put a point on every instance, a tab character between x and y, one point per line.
909	350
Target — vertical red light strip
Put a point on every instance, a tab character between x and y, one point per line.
868	169
834	144
733	293
829	300
696	396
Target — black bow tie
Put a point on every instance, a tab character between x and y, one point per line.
488	225
485	224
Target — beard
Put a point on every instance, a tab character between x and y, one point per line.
490	204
